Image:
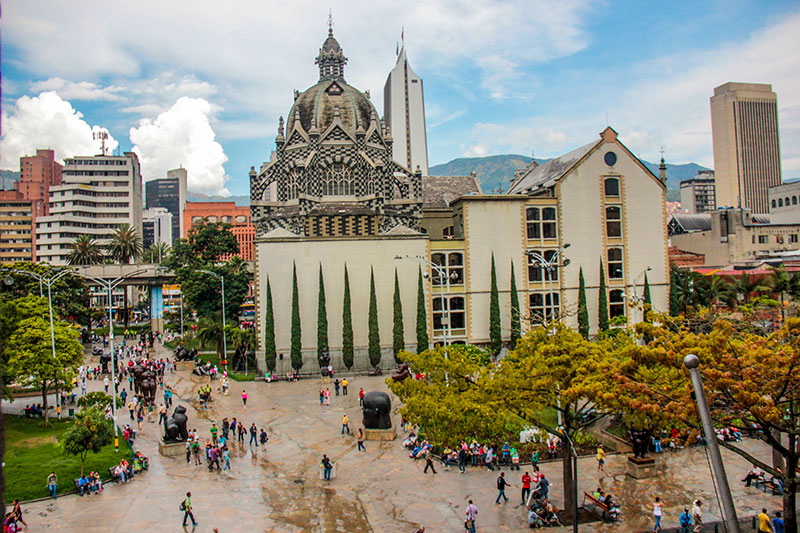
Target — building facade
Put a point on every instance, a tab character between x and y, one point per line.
156	227
784	205
747	156
225	212
169	193
404	112
698	194
98	194
16	228
36	175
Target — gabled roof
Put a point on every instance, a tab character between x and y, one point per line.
438	192
547	174
681	223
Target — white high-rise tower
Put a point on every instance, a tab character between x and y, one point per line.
404	112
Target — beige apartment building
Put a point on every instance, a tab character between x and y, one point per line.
747	157
16	228
784	203
698	194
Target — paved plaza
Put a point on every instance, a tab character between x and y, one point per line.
278	489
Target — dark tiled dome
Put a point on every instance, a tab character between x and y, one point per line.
320	103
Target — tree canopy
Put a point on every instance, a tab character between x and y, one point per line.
90	433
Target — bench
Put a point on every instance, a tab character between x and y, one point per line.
597	503
767	484
114	477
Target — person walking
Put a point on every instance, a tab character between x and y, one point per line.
471	517
327	467
214	430
697	515
601	458
526	487
428	461
763	522
321	396
345	424
241	432
544	486
123	395
162	414
188	450
253	435
186	507
336	386
360	440
244	399
501	488
105	384
17	512
327	397
462	458
226	454
344	387
657	512
131	407
777	522
52	484
685	521
263	438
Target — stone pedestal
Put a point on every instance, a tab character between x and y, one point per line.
380	434
171	449
641	467
200	379
325	379
184	365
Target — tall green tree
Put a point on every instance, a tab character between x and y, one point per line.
583	311
270	352
648	300
374	337
745	285
322	320
297	347
784	283
210	333
422	316
674	292
91	432
495	331
348	348
125	245
85	250
602	302
515	318
398	342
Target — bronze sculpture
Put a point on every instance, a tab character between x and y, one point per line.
377	409
175	426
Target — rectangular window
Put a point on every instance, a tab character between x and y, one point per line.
541	222
614	221
762	239
544	307
452	308
793	237
452	266
615	263
537	269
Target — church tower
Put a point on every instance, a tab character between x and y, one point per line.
404	110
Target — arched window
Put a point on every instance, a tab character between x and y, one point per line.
774	203
612	187
794	200
786	202
294	184
615	263
613	221
338	181
780	202
616	303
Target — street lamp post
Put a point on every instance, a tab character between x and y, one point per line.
224	335
636	298
550	265
49	282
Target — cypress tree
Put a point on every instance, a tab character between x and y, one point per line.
583	311
422	316
270	352
347	325
322	320
602	302
648	302
296	353
674	300
398	343
495	333
374	346
515	327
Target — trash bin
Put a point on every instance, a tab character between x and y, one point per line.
322	471
71	412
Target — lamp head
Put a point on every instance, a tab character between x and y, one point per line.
8	280
566	245
566	262
691	361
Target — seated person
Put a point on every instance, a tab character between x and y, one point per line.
268	377
28	411
446	455
754	474
96	484
83	485
534	520
120	473
600	494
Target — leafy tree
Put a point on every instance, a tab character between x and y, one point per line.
398	342
205	249
515	317
583	311
348	348
718	290
30	358
99	400
157	252
297	347
243	340
270	352
322	320
745	285
674	291
495	332
374	344
422	316
85	250
602	302
784	283
210	333
125	245
90	433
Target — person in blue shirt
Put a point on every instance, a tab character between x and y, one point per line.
777	523
685	520
506	453
83	485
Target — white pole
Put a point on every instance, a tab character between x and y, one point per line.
53	341
113	369
224	336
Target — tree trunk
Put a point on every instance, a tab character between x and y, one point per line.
790	492
2	459
569	479
44	398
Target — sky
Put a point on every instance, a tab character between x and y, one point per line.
201	84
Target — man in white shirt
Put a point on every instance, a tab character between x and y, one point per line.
471	515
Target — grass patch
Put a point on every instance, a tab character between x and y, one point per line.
213	358
32	452
618	431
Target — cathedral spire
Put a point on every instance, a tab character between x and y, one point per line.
331	60
662	168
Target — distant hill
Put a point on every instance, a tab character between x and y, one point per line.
8	178
199	197
496	171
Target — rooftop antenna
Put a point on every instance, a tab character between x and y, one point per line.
330	21
102	135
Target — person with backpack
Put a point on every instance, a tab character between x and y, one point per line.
685	520
186	507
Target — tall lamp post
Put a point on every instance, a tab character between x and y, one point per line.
221	278
635	297
549	265
110	285
49	282
692	362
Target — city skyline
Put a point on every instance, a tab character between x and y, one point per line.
496	79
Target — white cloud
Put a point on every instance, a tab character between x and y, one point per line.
83	90
46	121
182	135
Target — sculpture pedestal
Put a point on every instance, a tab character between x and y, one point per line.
171	449
184	365
325	379
200	379
641	467
380	434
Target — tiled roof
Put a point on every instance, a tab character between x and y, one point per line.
438	192
547	174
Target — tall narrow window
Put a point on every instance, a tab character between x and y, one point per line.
338	181
612	186
293	185
615	263
616	303
613	221
549	223
541	223
534	223
543	307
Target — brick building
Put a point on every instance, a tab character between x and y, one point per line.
228	213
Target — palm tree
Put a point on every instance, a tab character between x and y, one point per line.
720	290
85	251
784	282
157	253
125	245
210	332
745	285
243	341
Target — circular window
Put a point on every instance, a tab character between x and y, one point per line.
610	158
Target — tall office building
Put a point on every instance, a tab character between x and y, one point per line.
97	195
169	193
156	227
698	194
747	157
37	173
404	113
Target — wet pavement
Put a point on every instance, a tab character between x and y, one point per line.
278	488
